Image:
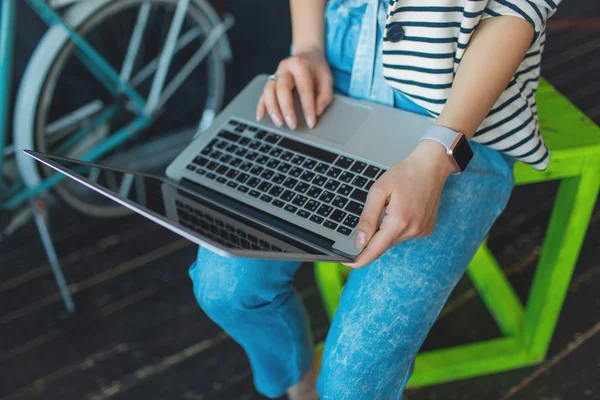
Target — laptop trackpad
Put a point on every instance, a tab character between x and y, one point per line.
339	122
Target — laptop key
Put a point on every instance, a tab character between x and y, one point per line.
242	178
345	190
355	208
285	167
201	161
319	180
371	171
278	203
359	195
312	205
303	213
267	174
221	144
308	150
276	191
254	193
222	170
290	183
381	173
359	181
264	186
302	187
339	201
351	221
244	141
276	152
272	138
314	192
300	200
236	162
273	163
358	167
330	225
221	180
215	155
232	173
347	177
332	185
321	168
279	178
212	165
265	148
296	172
309	164
256	170
334	172
338	216
298	160
262	160
324	210
232	184
266	198
326	197
252	156
241	152
288	195
368	187
255	144
344	162
287	155
200	171
316	219
229	135
344	231
253	182
307	176
290	208
232	148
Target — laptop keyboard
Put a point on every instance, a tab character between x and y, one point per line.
220	231
321	186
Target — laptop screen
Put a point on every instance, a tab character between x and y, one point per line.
196	213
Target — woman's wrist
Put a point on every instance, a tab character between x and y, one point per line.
432	157
308	48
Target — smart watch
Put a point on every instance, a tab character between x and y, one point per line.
457	146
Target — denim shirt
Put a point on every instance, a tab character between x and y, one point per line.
354	38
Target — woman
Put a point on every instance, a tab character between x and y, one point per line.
474	66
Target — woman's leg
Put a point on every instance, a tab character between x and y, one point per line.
388	307
255	303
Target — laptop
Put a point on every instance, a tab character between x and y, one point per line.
251	189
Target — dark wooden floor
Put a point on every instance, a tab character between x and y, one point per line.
138	333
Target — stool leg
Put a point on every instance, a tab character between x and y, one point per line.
40	216
330	279
566	231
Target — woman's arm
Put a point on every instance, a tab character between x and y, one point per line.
491	59
306	71
410	191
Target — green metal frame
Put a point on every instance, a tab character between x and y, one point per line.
575	144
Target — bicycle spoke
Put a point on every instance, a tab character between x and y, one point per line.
150	68
195	60
125	186
134	43
55	131
166	56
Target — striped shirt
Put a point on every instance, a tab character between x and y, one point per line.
422	65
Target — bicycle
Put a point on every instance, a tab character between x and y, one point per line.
108	103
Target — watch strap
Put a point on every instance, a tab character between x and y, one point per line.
444	136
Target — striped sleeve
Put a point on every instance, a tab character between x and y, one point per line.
536	12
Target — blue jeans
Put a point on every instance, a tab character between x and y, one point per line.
386	308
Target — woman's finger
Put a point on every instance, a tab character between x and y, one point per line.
271	103
261	108
284	87
324	90
381	241
369	219
306	91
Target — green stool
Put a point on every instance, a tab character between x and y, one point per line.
575	144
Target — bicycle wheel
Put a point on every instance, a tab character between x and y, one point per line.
70	98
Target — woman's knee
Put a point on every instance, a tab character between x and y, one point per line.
228	286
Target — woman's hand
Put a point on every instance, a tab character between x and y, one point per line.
307	72
410	192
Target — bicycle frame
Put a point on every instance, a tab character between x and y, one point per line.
118	83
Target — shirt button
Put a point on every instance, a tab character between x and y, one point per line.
395	33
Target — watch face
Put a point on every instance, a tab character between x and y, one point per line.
462	153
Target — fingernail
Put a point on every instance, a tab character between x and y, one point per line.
258	117
361	239
276	120
290	122
310	121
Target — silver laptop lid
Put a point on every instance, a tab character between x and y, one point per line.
220	224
